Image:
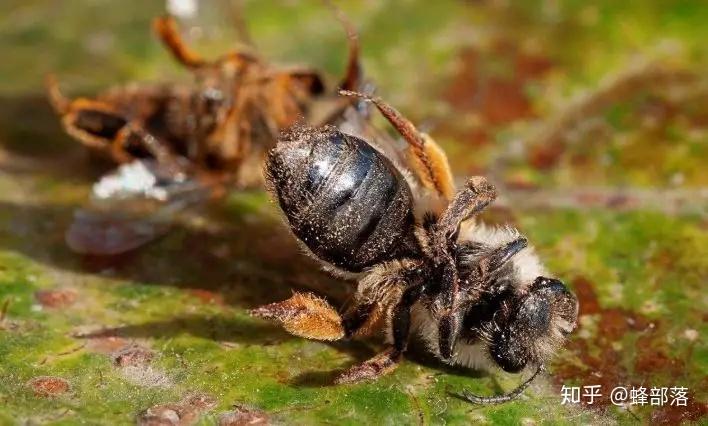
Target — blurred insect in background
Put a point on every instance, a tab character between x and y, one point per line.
188	142
390	218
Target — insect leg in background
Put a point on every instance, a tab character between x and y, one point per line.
101	127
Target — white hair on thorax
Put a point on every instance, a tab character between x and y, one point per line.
474	355
526	265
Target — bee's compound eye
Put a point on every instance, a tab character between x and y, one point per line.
508	351
551	284
553	294
514	342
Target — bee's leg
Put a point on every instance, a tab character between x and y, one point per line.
304	315
231	139
387	361
309	79
380	365
353	73
452	317
166	29
477	194
95	124
471	200
134	133
448	332
99	125
425	157
58	101
119	146
362	320
284	95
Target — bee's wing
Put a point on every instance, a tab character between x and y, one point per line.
356	121
130	207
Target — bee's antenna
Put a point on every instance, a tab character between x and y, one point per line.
475	399
402	124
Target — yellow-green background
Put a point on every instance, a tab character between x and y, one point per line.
484	77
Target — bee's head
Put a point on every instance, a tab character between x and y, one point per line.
533	326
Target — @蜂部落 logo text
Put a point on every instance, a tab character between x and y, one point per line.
625	395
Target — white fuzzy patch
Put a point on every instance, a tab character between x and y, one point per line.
474	356
527	266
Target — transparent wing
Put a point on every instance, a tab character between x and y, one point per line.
132	206
356	121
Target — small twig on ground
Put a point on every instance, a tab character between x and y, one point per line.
639	76
72	350
668	201
416	405
3	309
613	88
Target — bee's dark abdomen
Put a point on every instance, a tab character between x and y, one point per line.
342	198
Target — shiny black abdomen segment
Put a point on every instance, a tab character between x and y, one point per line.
343	199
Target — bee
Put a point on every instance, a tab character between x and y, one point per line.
204	135
237	102
389	217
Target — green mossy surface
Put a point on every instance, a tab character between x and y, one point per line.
483	76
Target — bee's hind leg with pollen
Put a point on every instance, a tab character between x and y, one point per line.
309	316
306	315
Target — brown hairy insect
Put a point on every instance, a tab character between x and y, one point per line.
179	144
478	296
232	112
